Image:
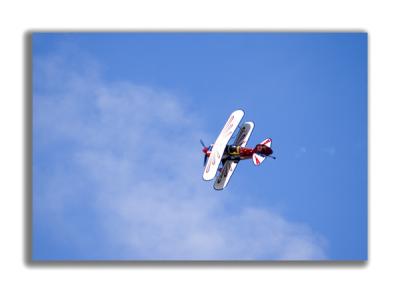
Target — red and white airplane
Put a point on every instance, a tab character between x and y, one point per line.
223	157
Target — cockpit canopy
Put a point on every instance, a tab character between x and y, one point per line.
233	149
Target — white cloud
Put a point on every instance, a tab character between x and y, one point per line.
134	161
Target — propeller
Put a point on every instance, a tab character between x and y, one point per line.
205	152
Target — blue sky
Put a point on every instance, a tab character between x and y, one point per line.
117	162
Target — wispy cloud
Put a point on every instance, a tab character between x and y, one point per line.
329	150
126	157
301	151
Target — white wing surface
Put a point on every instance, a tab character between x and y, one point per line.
225	174
219	146
229	167
244	134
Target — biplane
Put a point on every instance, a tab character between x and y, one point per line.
221	158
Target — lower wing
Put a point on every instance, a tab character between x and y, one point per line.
225	174
244	134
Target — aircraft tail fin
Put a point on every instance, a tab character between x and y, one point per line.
258	158
267	142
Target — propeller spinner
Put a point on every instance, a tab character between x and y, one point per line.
205	149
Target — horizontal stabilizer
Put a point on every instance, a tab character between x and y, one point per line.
267	142
258	159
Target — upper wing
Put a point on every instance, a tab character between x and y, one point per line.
229	167
219	146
